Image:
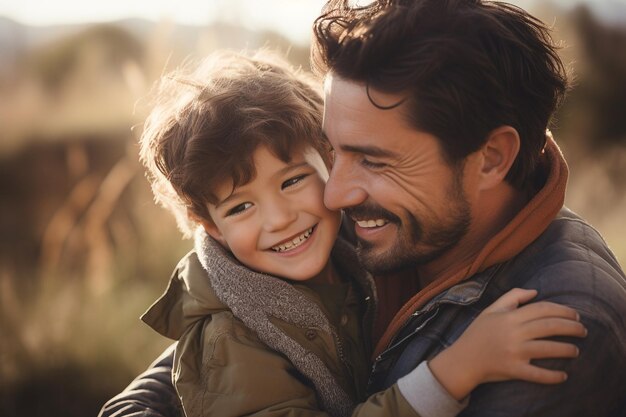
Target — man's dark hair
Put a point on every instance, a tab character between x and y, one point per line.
466	66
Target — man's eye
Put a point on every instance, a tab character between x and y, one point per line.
238	209
293	181
373	165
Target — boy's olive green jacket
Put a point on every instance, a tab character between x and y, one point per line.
252	344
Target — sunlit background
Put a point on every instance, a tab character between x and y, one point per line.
83	249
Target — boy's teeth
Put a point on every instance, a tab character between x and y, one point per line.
371	223
297	241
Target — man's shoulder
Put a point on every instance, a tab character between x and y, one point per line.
569	227
569	240
570	263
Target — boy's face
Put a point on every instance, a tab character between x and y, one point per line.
277	223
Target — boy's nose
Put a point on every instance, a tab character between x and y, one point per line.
278	216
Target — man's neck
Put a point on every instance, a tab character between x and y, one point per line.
495	212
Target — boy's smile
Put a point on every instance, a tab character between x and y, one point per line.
291	244
277	223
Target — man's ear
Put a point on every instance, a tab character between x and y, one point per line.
498	154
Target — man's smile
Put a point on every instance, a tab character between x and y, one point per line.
368	224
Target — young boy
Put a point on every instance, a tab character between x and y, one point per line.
272	311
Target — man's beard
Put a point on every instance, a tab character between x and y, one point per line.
416	243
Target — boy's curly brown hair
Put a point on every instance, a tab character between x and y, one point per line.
207	122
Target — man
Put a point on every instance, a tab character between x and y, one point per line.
437	112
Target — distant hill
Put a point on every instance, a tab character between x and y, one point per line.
608	11
17	39
63	81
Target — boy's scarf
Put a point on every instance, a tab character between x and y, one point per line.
255	298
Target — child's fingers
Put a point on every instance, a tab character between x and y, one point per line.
544	349
511	300
553	326
542	309
540	375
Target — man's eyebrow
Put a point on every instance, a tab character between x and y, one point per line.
369	150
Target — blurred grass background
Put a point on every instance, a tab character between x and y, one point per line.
83	248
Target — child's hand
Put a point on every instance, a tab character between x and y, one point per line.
502	340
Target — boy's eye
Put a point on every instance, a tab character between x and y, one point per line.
293	181
238	209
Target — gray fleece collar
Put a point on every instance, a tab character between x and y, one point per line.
256	297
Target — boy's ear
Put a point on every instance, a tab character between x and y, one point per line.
209	227
498	154
214	232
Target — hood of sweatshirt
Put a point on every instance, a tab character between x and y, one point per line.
188	298
524	228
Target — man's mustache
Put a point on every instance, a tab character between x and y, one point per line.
370	211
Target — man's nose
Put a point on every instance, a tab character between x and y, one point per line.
343	188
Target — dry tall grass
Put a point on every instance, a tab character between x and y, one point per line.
84	250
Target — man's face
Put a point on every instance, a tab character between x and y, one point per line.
407	202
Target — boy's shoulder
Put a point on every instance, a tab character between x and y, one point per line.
188	298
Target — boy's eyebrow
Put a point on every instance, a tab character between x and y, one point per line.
226	200
278	173
369	150
289	168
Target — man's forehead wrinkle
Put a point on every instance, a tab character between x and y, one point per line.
372	150
347	117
